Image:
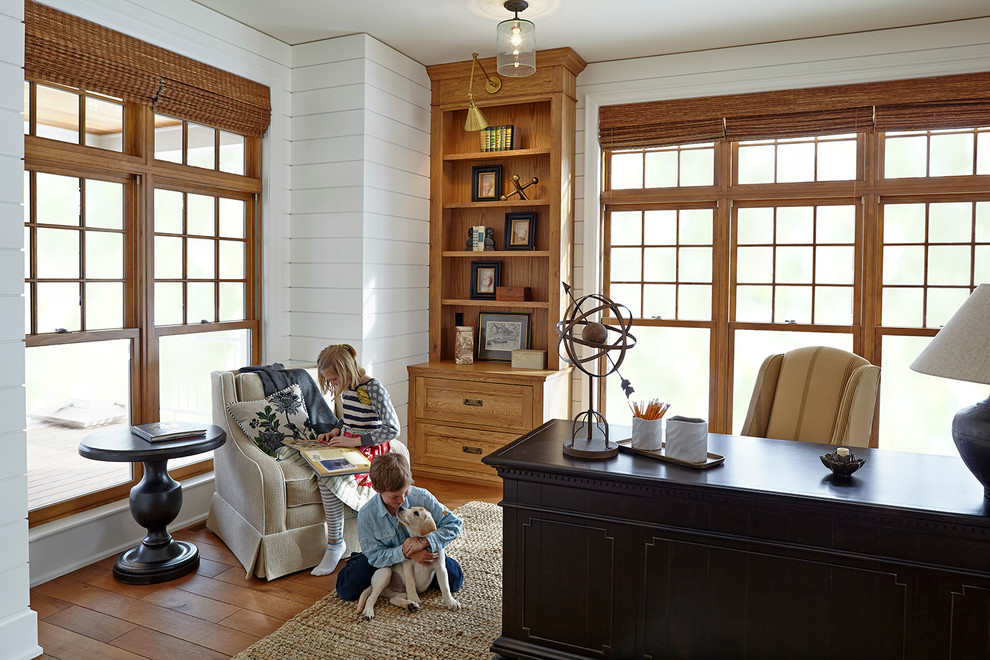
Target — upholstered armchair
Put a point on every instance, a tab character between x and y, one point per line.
814	394
268	512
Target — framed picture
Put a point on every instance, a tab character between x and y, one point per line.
500	334
486	183
520	231
485	276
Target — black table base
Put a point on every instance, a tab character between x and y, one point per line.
155	502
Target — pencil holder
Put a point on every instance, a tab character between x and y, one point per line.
647	433
687	439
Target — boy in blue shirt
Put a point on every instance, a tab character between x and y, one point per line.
384	541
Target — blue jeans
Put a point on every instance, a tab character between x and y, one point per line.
356	574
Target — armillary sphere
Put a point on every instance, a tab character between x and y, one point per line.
610	342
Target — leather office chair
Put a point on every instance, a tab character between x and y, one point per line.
814	394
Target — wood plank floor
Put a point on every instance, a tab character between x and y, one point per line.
213	613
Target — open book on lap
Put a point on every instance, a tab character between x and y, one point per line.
329	461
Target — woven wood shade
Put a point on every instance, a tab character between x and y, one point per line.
65	49
959	101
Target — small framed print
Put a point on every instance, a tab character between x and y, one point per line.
520	231
486	183
485	277
500	334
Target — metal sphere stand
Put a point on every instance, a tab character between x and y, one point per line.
577	330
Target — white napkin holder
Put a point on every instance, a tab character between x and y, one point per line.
687	439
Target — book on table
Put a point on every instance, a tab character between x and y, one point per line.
330	461
162	431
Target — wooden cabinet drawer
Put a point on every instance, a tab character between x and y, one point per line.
499	405
457	449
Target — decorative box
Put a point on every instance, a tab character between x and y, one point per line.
523	358
516	293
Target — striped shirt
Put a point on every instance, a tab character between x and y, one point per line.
369	413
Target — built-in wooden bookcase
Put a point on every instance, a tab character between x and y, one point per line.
447	428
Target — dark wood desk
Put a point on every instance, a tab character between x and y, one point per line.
766	556
155	501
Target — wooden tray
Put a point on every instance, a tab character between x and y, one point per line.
712	461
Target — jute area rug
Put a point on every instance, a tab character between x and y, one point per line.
332	628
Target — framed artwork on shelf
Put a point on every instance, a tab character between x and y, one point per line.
520	231
485	277
499	334
486	183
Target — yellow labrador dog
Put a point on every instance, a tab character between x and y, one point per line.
402	587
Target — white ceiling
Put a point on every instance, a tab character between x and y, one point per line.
450	30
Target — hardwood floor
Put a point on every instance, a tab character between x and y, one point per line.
213	613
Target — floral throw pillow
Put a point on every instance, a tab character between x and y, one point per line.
271	421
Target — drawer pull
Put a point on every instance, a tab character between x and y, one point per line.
473	402
470	450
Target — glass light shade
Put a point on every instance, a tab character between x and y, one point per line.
516	43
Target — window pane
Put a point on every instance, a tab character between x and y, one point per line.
948	264
698	167
904	223
201	296
627	170
795	224
58	253
755	225
983	153
670	364
231	301
792	304
104	305
754	264
837	160
168	303
950	222
27	108
659	301
796	162
168	212
231	153
58	114
756	164
92	387
104	204
661	169
231	218
942	304
752	347
185	363
983	222
104	124
628	295
626	264
627	228
903	264
660	265
932	401
200	259
168	257
202	146
905	157
833	305
58	199
104	255
200	215
58	306
661	227
695	227
168	139
834	265
835	224
694	265
794	264
754	304
694	303
903	307
952	155
231	260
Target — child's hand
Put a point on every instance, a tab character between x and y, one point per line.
327	438
343	441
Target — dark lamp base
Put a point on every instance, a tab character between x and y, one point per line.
971	433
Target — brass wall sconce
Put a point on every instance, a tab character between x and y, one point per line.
475	119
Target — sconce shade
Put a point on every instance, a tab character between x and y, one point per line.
475	119
961	349
516	43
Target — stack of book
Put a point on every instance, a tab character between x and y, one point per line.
477	237
497	138
162	431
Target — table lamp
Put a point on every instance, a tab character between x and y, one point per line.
961	350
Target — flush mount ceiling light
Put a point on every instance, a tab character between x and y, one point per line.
516	43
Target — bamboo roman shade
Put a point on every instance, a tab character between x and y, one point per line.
958	101
68	50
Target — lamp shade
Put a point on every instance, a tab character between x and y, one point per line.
961	349
516	43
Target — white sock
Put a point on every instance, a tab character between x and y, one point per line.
335	552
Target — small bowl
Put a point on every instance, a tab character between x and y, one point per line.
842	466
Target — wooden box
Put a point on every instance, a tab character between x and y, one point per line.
529	359
516	293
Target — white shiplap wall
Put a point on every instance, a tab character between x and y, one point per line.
18	624
359	232
930	50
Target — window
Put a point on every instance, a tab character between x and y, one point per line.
862	235
139	276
